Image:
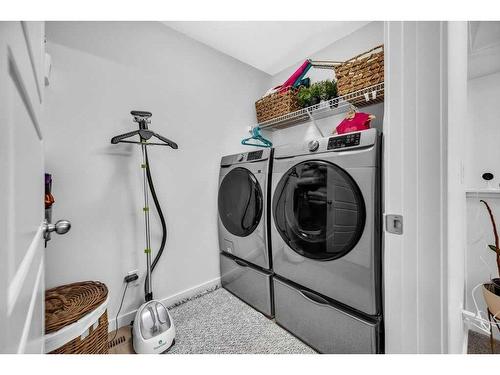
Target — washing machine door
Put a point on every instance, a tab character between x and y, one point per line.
240	202
318	210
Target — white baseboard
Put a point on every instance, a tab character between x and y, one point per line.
465	343
127	317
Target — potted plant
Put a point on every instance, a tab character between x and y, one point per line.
491	290
318	92
315	90
330	91
304	97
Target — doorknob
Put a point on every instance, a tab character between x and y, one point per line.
60	227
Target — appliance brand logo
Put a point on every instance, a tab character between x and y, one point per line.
160	344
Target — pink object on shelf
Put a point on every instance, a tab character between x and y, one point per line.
290	81
360	121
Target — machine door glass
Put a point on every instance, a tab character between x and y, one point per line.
240	202
319	210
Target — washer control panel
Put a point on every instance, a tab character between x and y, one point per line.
343	141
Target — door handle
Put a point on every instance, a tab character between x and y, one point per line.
60	227
314	297
243	264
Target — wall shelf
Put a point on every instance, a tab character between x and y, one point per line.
342	104
482	193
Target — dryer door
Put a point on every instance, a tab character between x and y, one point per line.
318	210
240	202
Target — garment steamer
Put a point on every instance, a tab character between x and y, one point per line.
153	329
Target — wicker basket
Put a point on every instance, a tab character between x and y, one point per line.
68	305
276	104
360	72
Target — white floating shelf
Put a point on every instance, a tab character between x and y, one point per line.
341	104
482	193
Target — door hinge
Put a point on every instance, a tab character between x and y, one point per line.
394	224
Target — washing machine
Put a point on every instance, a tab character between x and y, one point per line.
326	241
245	259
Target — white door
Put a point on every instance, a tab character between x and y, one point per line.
21	187
415	170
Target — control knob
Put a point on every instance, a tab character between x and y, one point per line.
313	145
240	157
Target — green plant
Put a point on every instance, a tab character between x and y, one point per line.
304	97
495	247
330	88
322	90
315	93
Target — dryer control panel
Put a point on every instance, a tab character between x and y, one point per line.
254	155
246	157
342	141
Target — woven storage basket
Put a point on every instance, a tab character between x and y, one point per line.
276	104
360	72
68	304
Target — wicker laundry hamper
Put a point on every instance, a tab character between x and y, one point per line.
76	319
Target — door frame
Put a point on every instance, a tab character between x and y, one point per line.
424	118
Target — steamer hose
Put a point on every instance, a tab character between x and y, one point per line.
162	219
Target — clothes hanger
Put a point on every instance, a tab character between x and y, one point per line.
144	133
256	136
352	112
350	116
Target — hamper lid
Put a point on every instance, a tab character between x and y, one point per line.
68	303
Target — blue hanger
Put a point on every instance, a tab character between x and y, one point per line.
256	136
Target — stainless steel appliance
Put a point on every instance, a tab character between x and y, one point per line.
326	242
243	227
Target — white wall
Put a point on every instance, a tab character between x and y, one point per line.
483	149
343	49
199	98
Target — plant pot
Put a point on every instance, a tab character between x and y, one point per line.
496	285
492	299
315	101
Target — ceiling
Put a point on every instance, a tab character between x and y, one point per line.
484	48
269	46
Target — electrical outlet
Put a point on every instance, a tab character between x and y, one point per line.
131	273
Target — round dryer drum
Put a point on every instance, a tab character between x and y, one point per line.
240	202
319	210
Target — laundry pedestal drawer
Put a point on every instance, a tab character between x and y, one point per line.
250	284
322	325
